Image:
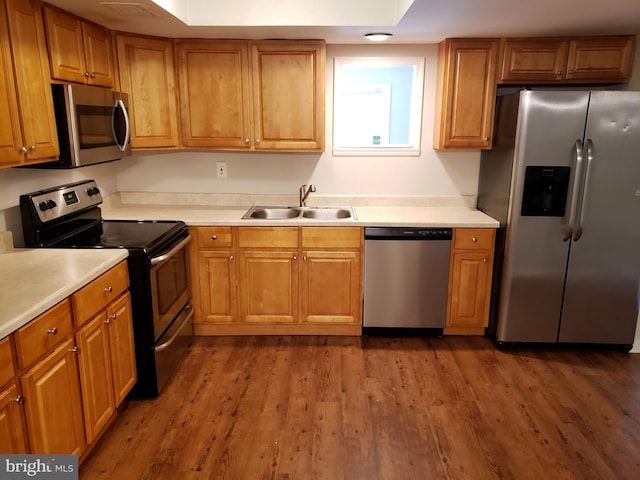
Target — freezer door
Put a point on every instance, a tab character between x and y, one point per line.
535	256
603	274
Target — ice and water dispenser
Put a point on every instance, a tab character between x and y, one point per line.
545	191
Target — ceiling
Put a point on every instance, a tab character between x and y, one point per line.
425	21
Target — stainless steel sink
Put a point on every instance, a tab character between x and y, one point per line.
311	213
272	213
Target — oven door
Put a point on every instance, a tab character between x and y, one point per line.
170	286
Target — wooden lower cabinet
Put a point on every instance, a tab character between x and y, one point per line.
278	280
107	364
13	436
470	281
53	403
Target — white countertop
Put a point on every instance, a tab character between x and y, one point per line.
405	216
34	280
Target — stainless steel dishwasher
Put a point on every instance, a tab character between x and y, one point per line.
406	277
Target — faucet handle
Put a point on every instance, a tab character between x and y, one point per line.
312	188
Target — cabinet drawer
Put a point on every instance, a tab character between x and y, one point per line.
99	293
7	370
473	238
330	237
214	237
269	237
44	333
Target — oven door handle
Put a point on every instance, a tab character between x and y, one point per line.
167	344
166	256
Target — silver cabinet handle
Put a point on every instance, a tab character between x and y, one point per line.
304	258
230	257
19	400
295	258
485	260
93	75
108	289
86	74
474	239
53	331
214	237
486	139
23	149
34	148
111	317
257	142
75	350
246	141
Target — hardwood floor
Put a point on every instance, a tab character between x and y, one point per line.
245	408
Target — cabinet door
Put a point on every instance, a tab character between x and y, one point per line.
98	55
122	348
288	95
66	49
465	93
534	60
268	287
604	59
31	65
53	404
470	283
95	375
147	75
12	432
217	286
330	287
214	86
10	129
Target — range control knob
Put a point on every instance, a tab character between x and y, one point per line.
52	203
93	191
43	206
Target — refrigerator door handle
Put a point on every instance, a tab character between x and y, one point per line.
577	231
568	231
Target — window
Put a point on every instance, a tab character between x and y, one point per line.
377	106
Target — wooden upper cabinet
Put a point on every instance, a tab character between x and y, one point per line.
566	60
78	51
465	93
288	95
32	124
215	106
147	74
254	96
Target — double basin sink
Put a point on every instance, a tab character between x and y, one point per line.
292	213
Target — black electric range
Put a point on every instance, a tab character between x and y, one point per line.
69	216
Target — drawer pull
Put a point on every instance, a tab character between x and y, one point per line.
474	239
75	350
19	400
108	289
214	237
485	260
231	257
53	331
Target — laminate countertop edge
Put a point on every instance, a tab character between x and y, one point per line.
36	279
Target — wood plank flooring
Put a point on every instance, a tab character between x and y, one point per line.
244	408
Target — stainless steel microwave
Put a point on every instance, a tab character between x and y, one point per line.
92	123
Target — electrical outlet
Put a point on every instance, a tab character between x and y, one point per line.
221	169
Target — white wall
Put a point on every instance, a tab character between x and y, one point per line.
432	173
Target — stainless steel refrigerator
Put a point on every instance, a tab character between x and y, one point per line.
563	179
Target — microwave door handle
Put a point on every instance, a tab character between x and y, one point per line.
127	131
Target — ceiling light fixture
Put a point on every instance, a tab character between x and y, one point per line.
378	37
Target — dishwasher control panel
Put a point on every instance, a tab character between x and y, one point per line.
407	233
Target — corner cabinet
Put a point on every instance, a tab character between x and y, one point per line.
79	51
252	95
566	60
465	93
471	268
70	372
147	74
28	132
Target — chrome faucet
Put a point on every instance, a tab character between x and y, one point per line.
305	190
